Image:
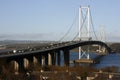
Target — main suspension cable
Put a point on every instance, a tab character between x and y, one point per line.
81	27
69	29
93	26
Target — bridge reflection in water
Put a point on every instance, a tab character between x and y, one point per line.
47	55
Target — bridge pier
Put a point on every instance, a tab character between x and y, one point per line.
15	64
34	60
30	62
102	49
46	58
52	58
39	59
7	64
26	63
58	58
20	62
66	57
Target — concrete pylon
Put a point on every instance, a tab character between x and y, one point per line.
49	59
46	58
20	62
58	58
66	57
39	59
26	63
52	58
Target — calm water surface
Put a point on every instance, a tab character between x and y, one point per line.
106	61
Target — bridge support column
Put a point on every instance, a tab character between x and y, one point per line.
30	61
66	57
34	60
50	59
26	63
54	58
39	59
43	60
21	64
58	58
46	59
102	49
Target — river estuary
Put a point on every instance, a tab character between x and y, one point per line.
106	61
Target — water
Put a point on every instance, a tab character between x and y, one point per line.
75	56
106	61
109	60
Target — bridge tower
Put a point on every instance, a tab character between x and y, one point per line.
84	28
84	23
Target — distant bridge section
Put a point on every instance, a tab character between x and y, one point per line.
51	47
47	54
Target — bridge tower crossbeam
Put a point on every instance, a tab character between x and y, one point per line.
82	21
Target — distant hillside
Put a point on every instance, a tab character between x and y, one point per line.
115	47
8	42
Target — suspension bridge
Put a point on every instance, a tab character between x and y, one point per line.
49	54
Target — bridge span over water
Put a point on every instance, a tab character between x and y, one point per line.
46	55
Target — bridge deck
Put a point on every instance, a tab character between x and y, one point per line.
52	47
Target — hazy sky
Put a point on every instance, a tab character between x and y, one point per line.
50	19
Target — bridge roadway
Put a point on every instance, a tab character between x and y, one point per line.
50	52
